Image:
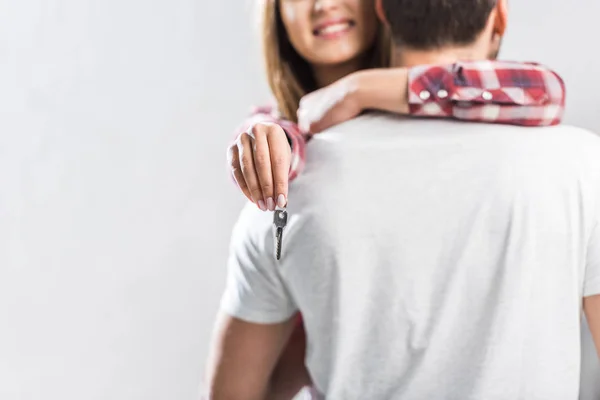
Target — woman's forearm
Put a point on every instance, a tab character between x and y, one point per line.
383	89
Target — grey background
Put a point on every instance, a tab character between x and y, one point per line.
115	204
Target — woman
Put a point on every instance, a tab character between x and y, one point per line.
327	56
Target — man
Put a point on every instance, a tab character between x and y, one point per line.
449	261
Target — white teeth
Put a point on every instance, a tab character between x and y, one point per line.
334	28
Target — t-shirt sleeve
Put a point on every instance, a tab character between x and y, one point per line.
255	291
591	285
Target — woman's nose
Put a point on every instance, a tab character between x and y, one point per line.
323	5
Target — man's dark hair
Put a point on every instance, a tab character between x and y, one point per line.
431	24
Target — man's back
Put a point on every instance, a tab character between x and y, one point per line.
436	259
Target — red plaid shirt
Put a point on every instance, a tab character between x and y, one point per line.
488	91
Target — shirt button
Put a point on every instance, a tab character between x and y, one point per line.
442	94
424	95
487	96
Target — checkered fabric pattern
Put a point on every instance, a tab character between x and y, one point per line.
488	91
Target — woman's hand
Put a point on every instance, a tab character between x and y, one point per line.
260	162
382	89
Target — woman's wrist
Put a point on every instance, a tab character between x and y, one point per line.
382	89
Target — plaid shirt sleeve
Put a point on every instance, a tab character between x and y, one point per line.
295	137
490	91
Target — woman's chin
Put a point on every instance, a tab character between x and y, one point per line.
334	60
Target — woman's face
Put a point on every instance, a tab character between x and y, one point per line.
329	32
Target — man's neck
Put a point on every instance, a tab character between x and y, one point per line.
404	57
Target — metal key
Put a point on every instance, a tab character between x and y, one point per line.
279	222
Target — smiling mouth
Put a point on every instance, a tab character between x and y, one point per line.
334	30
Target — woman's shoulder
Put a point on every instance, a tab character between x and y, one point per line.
269	108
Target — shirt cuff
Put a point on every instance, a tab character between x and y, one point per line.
592	287
430	89
254	316
490	91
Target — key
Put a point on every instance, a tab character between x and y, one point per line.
279	222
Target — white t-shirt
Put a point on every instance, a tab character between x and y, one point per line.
432	259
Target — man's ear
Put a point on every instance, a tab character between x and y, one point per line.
380	12
501	20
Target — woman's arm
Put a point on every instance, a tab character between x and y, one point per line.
488	91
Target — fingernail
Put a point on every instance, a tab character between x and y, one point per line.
261	205
271	204
281	201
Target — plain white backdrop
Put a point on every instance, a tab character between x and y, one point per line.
115	204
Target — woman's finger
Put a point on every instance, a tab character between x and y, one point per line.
249	171
233	157
280	155
262	162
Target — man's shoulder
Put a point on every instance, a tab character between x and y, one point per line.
252	228
575	133
253	236
376	121
377	125
567	140
564	132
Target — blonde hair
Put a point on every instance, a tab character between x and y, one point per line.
288	74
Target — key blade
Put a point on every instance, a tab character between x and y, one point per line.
278	239
279	223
